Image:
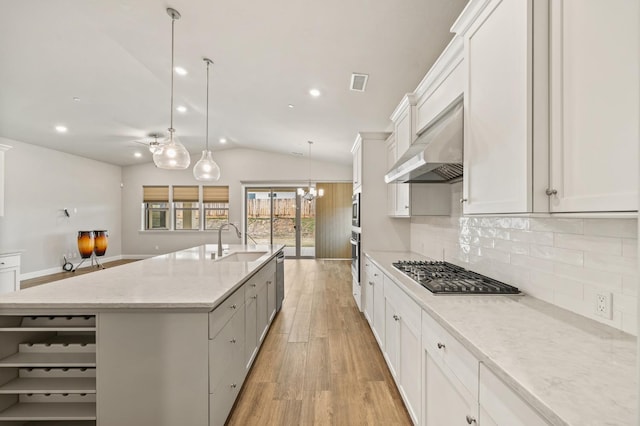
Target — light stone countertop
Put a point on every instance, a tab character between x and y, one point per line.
573	370
187	279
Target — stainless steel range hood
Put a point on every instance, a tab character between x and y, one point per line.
436	156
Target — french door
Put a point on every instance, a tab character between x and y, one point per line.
278	215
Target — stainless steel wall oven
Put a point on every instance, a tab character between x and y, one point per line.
355	255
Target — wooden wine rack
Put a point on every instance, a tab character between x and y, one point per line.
48	370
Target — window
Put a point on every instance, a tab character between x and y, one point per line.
186	207
156	207
216	206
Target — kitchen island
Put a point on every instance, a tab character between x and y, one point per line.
163	341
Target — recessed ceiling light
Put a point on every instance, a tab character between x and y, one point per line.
223	140
180	71
76	99
181	108
314	92
297	154
61	129
137	154
291	105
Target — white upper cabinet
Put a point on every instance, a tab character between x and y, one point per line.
595	107
3	148
551	106
404	124
498	102
356	150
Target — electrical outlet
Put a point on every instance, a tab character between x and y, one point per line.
603	304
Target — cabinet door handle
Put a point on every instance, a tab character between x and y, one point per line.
463	200
397	318
254	297
441	345
268	282
233	306
375	275
232	341
551	191
253	285
370	282
233	386
1	263
470	419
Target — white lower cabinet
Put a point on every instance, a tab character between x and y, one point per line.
9	272
227	369
499	405
402	345
374	300
450	378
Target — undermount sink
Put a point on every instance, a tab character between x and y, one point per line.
241	256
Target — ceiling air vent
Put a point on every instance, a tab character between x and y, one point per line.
359	82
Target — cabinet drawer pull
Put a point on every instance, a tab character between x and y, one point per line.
441	345
550	192
253	285
232	341
375	275
397	318
470	419
370	282
254	297
1	263
268	282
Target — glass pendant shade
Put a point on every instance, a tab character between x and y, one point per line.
171	155
206	169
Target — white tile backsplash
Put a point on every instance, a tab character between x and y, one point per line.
564	261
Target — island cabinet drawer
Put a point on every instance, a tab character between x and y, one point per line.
221	315
255	284
450	354
226	350
222	399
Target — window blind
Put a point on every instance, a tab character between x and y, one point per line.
185	194
215	194
155	193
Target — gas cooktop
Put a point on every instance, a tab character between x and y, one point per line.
446	278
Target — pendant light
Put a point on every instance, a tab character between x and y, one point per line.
311	193
206	169
171	154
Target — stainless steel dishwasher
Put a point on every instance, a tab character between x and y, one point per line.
279	280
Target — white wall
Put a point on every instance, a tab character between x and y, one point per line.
39	184
563	261
237	166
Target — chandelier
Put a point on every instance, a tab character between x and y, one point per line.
310	193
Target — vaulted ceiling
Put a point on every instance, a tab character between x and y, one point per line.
101	68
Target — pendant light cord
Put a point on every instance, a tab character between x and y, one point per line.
173	23
207	127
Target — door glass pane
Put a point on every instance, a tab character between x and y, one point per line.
259	215
284	219
308	228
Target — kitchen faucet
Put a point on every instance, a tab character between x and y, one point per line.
225	225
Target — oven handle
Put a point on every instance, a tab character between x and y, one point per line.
353	242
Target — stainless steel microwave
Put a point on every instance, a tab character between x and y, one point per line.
355	210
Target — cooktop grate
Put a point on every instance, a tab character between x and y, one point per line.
447	278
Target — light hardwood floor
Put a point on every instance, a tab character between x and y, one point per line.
62	275
319	363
